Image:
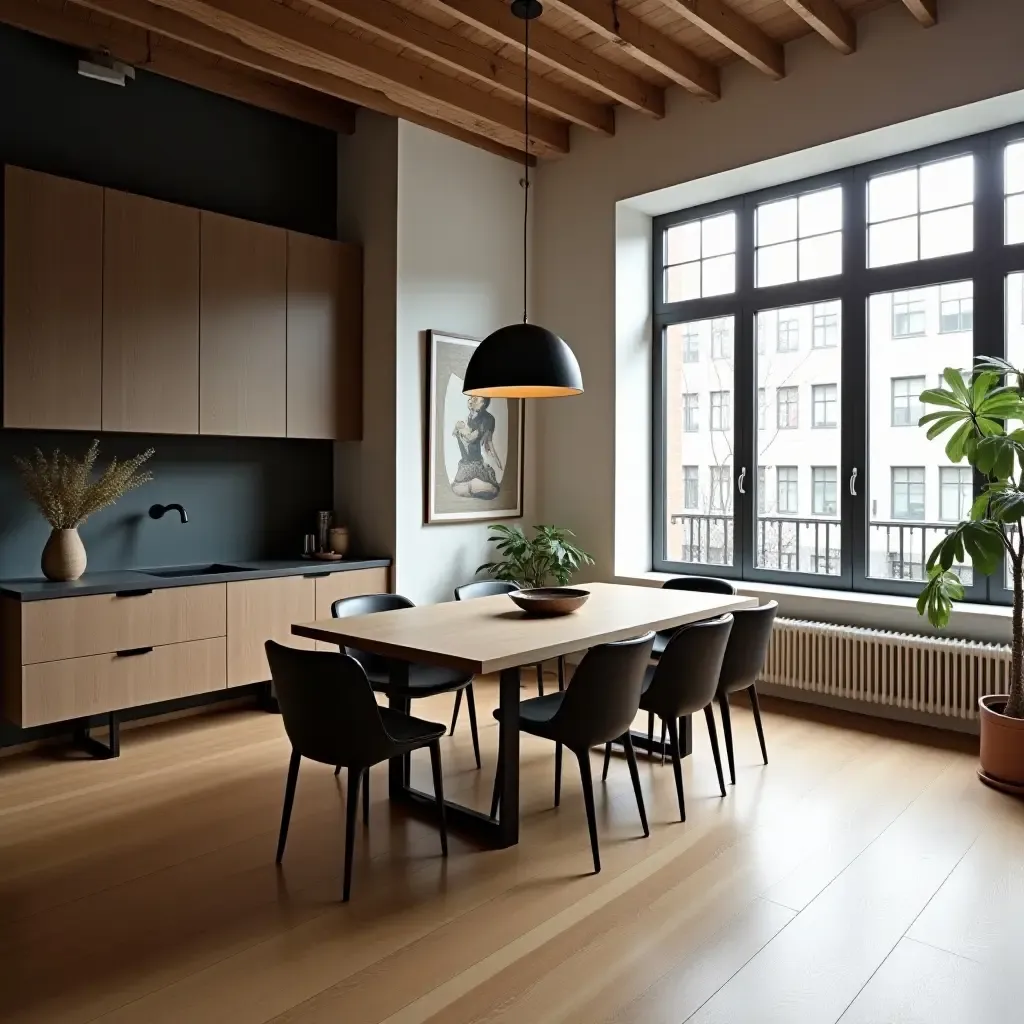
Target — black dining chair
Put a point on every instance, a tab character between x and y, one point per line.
492	588
598	705
683	682
330	715
424	680
744	658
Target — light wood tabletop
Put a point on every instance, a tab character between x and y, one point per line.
490	634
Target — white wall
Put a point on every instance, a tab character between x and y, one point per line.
460	222
899	72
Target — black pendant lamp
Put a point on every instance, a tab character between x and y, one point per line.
524	360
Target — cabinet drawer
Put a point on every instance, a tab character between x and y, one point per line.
56	691
75	627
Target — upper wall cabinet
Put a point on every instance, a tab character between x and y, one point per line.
150	316
324	338
53	302
242	328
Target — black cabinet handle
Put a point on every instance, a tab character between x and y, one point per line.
132	593
134	651
315	575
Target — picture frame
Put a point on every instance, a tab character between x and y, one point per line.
474	447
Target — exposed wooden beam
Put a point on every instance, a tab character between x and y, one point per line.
721	22
428	38
495	18
299	39
926	11
74	28
830	21
645	43
184	30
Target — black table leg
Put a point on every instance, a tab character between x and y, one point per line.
398	767
508	813
641	741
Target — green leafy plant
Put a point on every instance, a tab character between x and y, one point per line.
63	490
984	413
530	563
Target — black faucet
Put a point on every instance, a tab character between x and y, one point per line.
157	511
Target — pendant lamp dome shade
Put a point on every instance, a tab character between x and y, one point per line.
523	361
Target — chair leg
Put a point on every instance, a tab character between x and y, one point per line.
561	672
650	735
498	780
723	706
607	761
354	776
583	756
366	797
540	679
663	741
289	797
435	770
337	770
471	708
709	716
558	774
455	713
755	704
677	767
634	774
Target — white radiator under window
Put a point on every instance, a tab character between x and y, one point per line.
929	675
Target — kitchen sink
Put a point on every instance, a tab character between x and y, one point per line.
215	569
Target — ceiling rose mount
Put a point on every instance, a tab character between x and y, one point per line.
524	360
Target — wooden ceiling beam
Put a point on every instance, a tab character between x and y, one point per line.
495	18
299	39
73	28
926	11
721	22
646	44
430	39
829	20
175	26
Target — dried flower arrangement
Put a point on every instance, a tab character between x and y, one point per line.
62	489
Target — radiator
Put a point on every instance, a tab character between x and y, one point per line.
930	675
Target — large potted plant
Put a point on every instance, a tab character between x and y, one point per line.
983	416
527	562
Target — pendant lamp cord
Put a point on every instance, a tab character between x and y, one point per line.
526	158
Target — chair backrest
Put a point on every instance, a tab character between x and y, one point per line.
367	604
328	708
748	645
686	676
704	584
603	698
484	588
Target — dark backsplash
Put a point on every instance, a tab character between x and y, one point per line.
245	497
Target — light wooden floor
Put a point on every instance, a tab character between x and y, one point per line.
858	878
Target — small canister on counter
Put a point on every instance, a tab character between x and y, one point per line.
338	540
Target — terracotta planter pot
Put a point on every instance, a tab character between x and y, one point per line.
63	556
1002	746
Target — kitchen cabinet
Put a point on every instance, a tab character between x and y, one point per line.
334	585
242	328
261	610
53	305
150	315
324	338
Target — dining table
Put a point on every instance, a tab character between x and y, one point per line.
491	635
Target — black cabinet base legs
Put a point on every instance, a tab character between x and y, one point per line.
84	740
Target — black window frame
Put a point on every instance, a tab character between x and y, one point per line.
986	265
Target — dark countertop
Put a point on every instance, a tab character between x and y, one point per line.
127	580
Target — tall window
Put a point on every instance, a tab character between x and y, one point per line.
721	410
823	411
908	492
823	490
906	402
691	412
691	491
824	403
787	405
955	493
788	499
721	488
691	344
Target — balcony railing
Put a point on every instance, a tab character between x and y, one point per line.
897	549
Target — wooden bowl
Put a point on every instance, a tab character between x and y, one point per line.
548	601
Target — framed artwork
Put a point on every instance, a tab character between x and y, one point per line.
474	445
